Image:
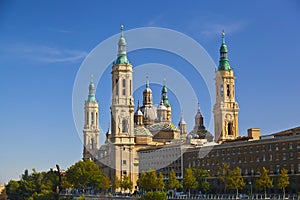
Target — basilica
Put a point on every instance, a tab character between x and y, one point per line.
145	126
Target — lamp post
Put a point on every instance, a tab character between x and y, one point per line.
250	183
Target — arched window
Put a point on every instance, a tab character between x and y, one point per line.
124	126
117	87
92	118
96	117
228	90
87	118
229	128
130	88
124	87
91	143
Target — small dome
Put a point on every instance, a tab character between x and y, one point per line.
138	113
182	121
91	86
122	60
122	41
147	90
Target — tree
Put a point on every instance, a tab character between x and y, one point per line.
150	181
37	185
189	180
201	176
106	183
236	180
116	183
205	186
264	181
160	185
224	174
141	181
84	174
154	196
126	183
283	180
12	189
172	182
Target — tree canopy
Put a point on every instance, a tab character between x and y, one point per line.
189	180
264	181
84	174
172	182
236	180
283	180
126	183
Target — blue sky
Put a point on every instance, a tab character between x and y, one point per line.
43	44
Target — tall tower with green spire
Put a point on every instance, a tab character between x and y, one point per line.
122	115
91	124
165	100
226	108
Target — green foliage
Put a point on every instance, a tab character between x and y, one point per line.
126	183
201	176
236	180
189	180
150	182
38	185
82	197
154	196
160	185
224	174
12	189
283	180
106	183
172	182
264	181
85	174
116	183
205	186
142	181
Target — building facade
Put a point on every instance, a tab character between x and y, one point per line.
274	152
145	138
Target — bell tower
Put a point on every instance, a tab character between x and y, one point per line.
226	109
122	115
91	124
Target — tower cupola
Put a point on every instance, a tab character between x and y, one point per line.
91	97
224	62
122	55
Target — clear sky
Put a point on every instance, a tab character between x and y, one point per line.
43	43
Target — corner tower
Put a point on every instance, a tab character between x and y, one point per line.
122	115
226	109
91	124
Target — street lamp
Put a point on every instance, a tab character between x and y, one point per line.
250	183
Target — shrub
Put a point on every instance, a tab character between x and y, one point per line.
154	196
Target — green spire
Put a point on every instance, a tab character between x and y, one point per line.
122	57
91	97
224	63
164	95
